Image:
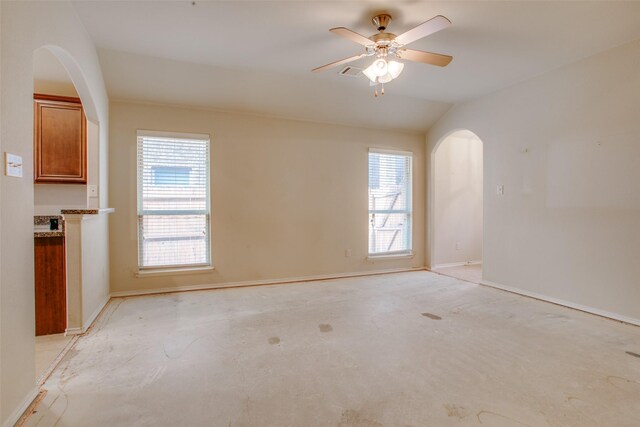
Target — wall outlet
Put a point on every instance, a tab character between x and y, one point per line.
347	253
500	190
457	246
92	190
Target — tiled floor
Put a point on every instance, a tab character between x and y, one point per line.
48	347
417	349
470	272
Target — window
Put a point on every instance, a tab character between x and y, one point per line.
173	200
389	202
170	175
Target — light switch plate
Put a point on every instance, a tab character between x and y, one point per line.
12	165
93	190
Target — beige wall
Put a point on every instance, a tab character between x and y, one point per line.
25	27
2	405
565	146
457	201
54	88
288	197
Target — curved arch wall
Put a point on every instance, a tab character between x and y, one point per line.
456	205
25	27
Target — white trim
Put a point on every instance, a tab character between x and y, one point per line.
17	413
151	272
177	135
386	151
96	313
456	264
92	318
564	303
261	282
389	256
74	331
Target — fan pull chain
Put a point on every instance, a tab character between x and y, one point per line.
382	92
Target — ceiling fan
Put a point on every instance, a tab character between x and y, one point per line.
384	45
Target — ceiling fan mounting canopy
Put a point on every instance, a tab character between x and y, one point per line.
381	21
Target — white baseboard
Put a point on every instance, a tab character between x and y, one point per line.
95	313
74	331
260	282
17	413
456	264
90	320
564	303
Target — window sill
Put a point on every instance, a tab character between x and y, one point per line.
383	257
173	271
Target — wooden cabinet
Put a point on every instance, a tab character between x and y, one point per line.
60	140
50	285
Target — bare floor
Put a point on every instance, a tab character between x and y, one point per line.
471	272
409	349
48	348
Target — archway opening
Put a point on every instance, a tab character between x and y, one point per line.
62	105
457	206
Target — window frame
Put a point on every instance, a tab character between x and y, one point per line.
174	268
408	252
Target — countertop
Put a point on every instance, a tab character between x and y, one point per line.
41	222
86	211
41	226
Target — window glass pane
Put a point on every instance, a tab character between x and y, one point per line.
173	201
169	240
388	233
389	202
172	174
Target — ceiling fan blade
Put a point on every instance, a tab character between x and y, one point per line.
426	57
433	25
336	63
352	35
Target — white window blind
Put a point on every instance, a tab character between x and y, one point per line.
389	202
173	200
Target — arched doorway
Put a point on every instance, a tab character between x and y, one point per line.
457	206
58	78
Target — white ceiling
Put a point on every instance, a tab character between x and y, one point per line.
257	56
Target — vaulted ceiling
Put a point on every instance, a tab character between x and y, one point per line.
256	57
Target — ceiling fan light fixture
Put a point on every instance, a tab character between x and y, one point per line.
379	67
385	79
370	74
395	68
387	45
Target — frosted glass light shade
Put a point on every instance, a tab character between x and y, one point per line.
379	67
395	68
392	69
385	79
369	73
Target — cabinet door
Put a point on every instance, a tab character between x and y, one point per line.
50	285
60	150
